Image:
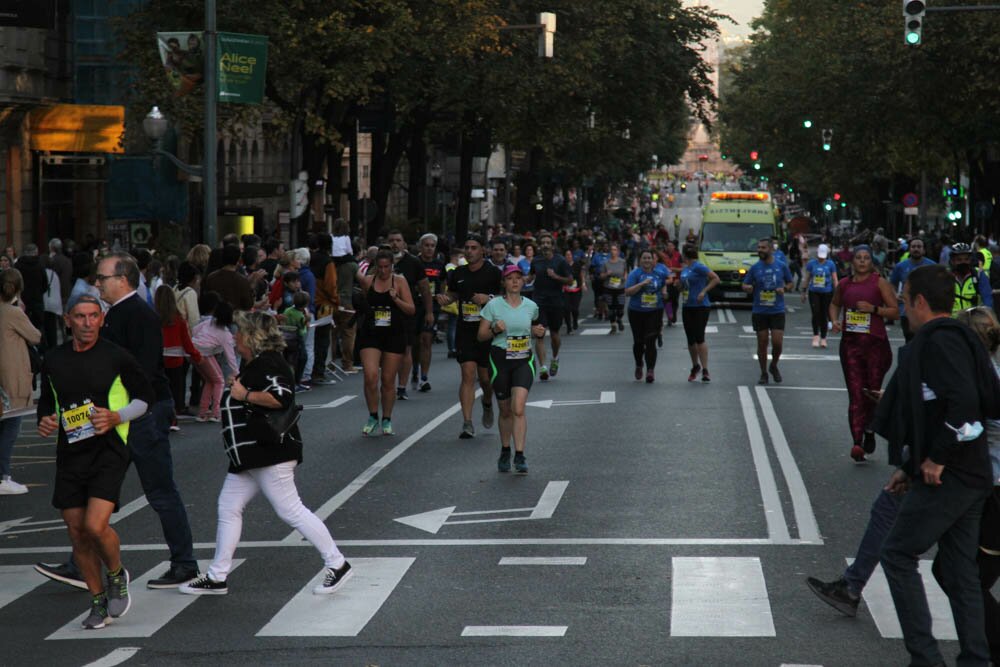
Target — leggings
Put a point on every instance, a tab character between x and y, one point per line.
616	304
865	360
673	304
645	326
211	392
573	300
819	302
277	483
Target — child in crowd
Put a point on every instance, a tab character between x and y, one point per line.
212	336
296	322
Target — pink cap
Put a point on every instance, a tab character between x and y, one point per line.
512	268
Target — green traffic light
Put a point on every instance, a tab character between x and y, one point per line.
843	204
826	147
756	165
807	124
781	165
913	38
828	206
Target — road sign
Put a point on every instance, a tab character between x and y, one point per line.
910	199
433	520
911	210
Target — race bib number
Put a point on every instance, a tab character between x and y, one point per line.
76	423
684	296
858	322
573	285
470	312
648	300
434	287
518	347
819	280
383	317
614	282
768	298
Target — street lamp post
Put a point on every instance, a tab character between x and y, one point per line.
210	138
436	172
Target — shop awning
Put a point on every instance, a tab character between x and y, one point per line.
77	128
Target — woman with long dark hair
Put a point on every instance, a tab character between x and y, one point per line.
644	287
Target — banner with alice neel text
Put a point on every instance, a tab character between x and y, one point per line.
242	64
242	67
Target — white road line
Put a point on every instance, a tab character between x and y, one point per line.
151	610
543	560
116	657
17	580
748	328
880	605
332	404
515	631
128	509
359	482
455	542
346	612
782	386
777	527
806	357
711	329
603	331
719	597
730	316
721	316
805	519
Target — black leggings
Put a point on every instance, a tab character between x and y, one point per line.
616	303
695	320
645	326
673	297
820	304
573	310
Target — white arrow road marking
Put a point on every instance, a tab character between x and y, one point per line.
806	357
8	527
332	404
433	520
606	397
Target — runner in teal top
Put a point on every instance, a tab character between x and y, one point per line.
509	322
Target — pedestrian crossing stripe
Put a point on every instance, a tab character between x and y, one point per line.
346	612
17	580
151	609
719	597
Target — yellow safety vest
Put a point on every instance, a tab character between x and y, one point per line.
966	294
987	259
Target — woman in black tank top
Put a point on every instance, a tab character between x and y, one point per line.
382	339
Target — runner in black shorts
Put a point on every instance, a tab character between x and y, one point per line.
91	391
508	324
551	273
434	270
471	287
382	338
408	266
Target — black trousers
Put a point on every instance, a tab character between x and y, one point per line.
819	303
645	325
321	350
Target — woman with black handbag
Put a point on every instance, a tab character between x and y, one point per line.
261	438
17	336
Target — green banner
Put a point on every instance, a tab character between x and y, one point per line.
242	67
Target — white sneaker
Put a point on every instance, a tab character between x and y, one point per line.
9	487
815	341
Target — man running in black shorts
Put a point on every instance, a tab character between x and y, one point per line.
551	273
408	266
91	391
472	286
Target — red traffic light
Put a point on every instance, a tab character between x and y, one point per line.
836	196
753	155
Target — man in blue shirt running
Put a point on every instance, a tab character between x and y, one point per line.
768	280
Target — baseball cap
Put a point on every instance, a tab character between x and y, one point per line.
512	268
82	297
823	251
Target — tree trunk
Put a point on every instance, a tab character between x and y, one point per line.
464	189
416	197
383	171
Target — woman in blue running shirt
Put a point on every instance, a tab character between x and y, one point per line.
819	282
697	280
645	288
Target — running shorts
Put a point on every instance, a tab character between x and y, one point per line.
505	374
468	348
551	317
393	342
94	471
695	320
768	322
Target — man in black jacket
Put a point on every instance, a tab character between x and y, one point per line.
36	283
944	393
136	327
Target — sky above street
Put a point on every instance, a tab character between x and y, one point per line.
742	11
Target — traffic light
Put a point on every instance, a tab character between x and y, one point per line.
836	196
807	124
753	155
913	21
756	166
781	165
827	139
828	206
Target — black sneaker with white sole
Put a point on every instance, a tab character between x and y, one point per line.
174	577
333	580
64	573
119	601
98	616
204	585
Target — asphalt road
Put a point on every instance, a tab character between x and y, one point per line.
663	524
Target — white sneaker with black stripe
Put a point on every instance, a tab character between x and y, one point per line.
204	585
333	580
